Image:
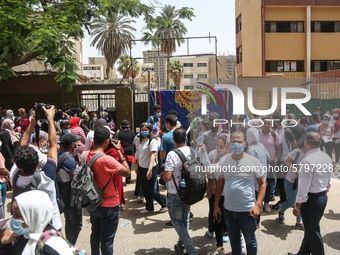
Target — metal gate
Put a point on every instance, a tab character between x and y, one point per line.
94	100
141	111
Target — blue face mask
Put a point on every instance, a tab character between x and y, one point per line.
325	121
144	133
95	118
158	114
75	148
236	148
66	131
16	227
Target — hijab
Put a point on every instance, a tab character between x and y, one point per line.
253	136
74	122
6	125
37	210
225	150
8	114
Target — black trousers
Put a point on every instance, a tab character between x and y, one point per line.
219	228
312	212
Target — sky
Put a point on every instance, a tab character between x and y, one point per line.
216	17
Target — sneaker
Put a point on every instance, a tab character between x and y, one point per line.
277	205
281	218
257	226
210	234
179	250
289	253
337	165
244	250
163	210
300	226
225	239
191	217
140	199
217	252
144	211
168	224
267	208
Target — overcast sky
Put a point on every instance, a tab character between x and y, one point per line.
214	16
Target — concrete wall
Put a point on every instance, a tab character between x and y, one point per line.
124	106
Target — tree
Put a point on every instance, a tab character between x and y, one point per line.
125	67
46	30
112	34
176	71
161	29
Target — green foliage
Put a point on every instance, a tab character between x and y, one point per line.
46	30
124	65
176	67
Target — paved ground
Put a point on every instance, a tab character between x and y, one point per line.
144	234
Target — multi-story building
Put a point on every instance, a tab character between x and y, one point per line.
93	71
202	69
231	64
102	61
287	37
158	58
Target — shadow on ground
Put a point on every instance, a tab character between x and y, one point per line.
272	227
332	240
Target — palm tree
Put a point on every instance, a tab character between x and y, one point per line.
112	34
125	67
170	26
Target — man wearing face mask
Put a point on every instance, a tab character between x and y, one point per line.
65	172
237	182
157	113
38	147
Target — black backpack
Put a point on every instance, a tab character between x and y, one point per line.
195	178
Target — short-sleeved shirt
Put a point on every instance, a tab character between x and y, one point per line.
326	130
297	155
173	164
144	151
268	142
210	141
153	120
167	143
47	185
68	166
103	170
284	142
295	133
239	182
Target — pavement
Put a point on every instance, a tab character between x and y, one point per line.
145	234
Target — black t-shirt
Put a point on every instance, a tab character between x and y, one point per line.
126	137
295	133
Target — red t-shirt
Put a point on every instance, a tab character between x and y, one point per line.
103	170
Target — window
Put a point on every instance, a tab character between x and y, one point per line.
284	26
284	66
202	64
238	24
325	26
188	76
325	65
188	64
202	76
239	55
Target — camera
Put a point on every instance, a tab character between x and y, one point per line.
39	111
112	141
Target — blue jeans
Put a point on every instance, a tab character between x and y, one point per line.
237	222
179	215
3	195
270	190
291	198
104	221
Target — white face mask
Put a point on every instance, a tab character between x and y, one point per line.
336	115
12	126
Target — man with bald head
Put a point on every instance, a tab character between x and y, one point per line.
311	199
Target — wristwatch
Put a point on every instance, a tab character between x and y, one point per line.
295	208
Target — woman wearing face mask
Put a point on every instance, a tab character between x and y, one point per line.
77	130
10	141
10	114
257	150
336	137
32	214
147	167
326	130
66	167
215	225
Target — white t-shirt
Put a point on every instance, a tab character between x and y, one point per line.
144	151
42	158
292	175
173	164
89	140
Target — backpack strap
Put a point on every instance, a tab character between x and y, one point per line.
180	155
94	158
61	161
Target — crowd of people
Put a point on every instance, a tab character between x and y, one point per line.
247	167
